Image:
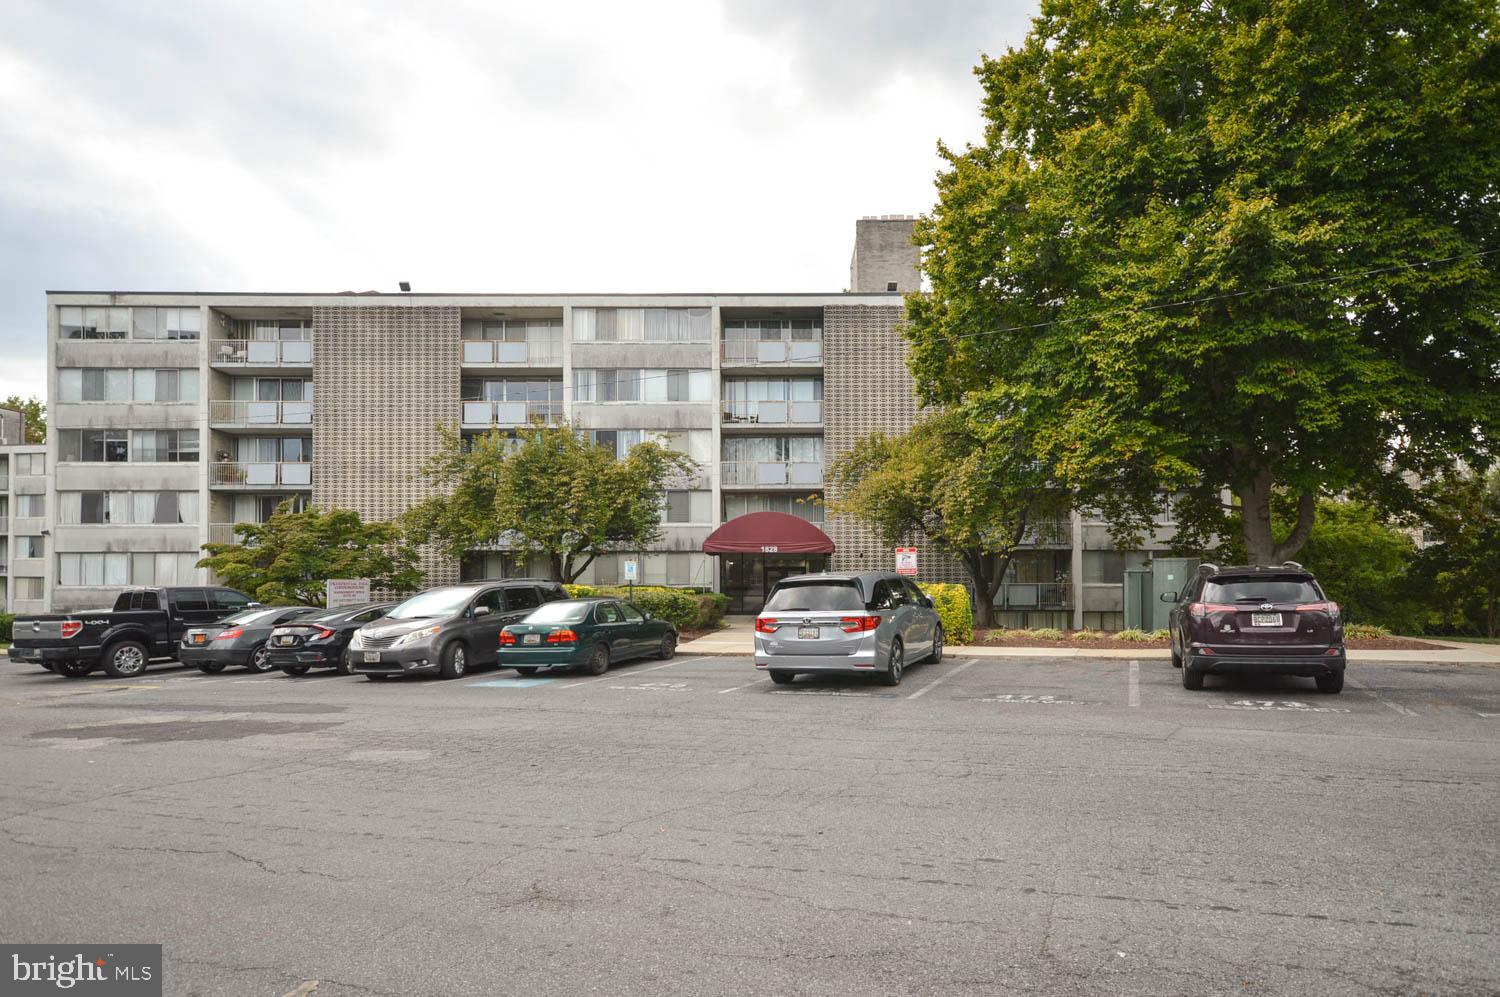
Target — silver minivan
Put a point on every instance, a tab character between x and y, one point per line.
874	622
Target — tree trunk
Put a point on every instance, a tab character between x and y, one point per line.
977	565
1255	515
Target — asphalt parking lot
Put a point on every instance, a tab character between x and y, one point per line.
1014	826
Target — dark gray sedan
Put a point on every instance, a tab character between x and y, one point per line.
237	640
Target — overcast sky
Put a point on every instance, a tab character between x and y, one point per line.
711	145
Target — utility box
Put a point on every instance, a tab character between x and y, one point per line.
1168	574
1138	609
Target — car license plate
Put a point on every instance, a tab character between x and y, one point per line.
807	633
531	639
284	641
372	656
1265	619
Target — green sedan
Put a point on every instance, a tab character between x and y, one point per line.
588	633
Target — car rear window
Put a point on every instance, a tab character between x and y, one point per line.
252	615
1268	589
559	612
796	597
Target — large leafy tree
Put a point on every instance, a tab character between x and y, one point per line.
288	558
970	491
1462	564
548	491
1216	247
35	411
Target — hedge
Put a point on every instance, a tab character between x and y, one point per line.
7	627
684	609
952	604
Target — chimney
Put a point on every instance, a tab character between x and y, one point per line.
884	258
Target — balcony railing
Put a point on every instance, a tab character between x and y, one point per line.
1048	533
745	349
510	413
1034	595
4	524
221	533
261	352
763	472
260	414
774	413
259	474
493	353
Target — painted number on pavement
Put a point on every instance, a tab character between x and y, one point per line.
1280	705
1029	700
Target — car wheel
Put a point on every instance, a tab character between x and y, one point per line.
936	657
126	659
599	660
343	667
1176	658
896	667
211	667
295	669
525	669
72	669
1191	677
257	661
668	646
1332	684
455	661
782	677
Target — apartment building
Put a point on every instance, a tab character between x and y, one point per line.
175	416
23	517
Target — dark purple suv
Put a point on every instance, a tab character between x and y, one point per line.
1259	619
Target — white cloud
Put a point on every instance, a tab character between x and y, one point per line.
465	145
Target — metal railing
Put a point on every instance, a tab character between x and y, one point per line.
261	352
259	474
231	413
221	533
1034	595
494	353
1048	532
770	472
752	349
774	413
510	413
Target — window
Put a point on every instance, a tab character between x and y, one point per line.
521	598
888	595
226	600
29	588
688	507
109	384
98	508
31	547
635	385
93	569
31	464
653	325
631	614
1106	566
607	612
1269	589
109	446
814	596
166	445
96	322
31	505
493	600
189	600
890	285
795	505
150	568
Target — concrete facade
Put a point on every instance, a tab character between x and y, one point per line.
884	258
23	485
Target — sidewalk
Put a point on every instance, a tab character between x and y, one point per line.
738	638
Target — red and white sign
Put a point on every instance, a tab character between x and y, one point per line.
906	560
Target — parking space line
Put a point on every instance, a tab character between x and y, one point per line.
1397	707
943	678
637	671
1135	683
763	678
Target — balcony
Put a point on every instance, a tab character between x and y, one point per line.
806	350
250	475
1048	533
483	415
773	413
544	352
243	354
259	415
771	474
221	533
1034	595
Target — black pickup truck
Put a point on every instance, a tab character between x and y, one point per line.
146	624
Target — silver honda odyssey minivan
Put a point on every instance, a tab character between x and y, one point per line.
874	622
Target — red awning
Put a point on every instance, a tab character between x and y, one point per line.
768	533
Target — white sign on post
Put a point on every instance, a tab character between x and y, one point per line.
632	570
346	592
906	560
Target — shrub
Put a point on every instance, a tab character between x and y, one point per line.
684	609
953	608
1162	634
1085	634
7	627
999	633
1365	631
1045	633
580	591
1134	636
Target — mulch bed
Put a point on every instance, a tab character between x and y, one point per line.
986	638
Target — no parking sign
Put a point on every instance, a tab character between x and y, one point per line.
906	560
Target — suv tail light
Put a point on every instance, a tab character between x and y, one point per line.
507	638
70	628
765	625
858	624
1331	608
563	636
230	634
1198	610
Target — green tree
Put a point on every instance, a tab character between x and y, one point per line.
973	494
287	559
1225	246
35	411
546	491
1462	566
